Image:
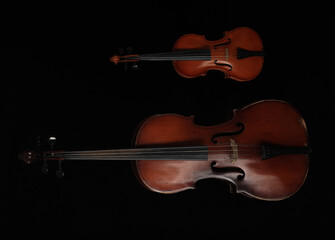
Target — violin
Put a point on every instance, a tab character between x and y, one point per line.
239	55
262	152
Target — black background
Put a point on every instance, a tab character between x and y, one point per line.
56	78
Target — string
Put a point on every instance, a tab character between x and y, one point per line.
142	152
201	54
169	148
167	153
191	55
165	149
185	58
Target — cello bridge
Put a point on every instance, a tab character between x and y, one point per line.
234	155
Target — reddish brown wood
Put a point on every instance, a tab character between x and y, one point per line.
266	122
241	69
116	59
173	153
222	55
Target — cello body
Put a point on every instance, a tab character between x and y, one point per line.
237	151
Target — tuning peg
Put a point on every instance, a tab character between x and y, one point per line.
60	173
52	141
134	66
44	167
38	143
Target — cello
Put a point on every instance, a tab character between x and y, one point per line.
262	152
238	54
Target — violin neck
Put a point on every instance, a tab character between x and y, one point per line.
185	55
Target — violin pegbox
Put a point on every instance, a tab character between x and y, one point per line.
126	58
115	59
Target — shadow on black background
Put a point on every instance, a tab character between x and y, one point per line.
56	79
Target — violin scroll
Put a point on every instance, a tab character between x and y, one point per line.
124	58
115	59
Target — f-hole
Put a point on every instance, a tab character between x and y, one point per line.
222	44
240	174
223	64
223	134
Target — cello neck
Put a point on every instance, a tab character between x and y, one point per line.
164	153
192	153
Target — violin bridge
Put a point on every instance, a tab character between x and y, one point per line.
234	155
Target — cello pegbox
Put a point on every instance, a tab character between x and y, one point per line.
29	156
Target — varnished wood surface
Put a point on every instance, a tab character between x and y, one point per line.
241	69
266	122
57	79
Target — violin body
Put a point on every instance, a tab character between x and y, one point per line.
237	151
239	55
226	55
